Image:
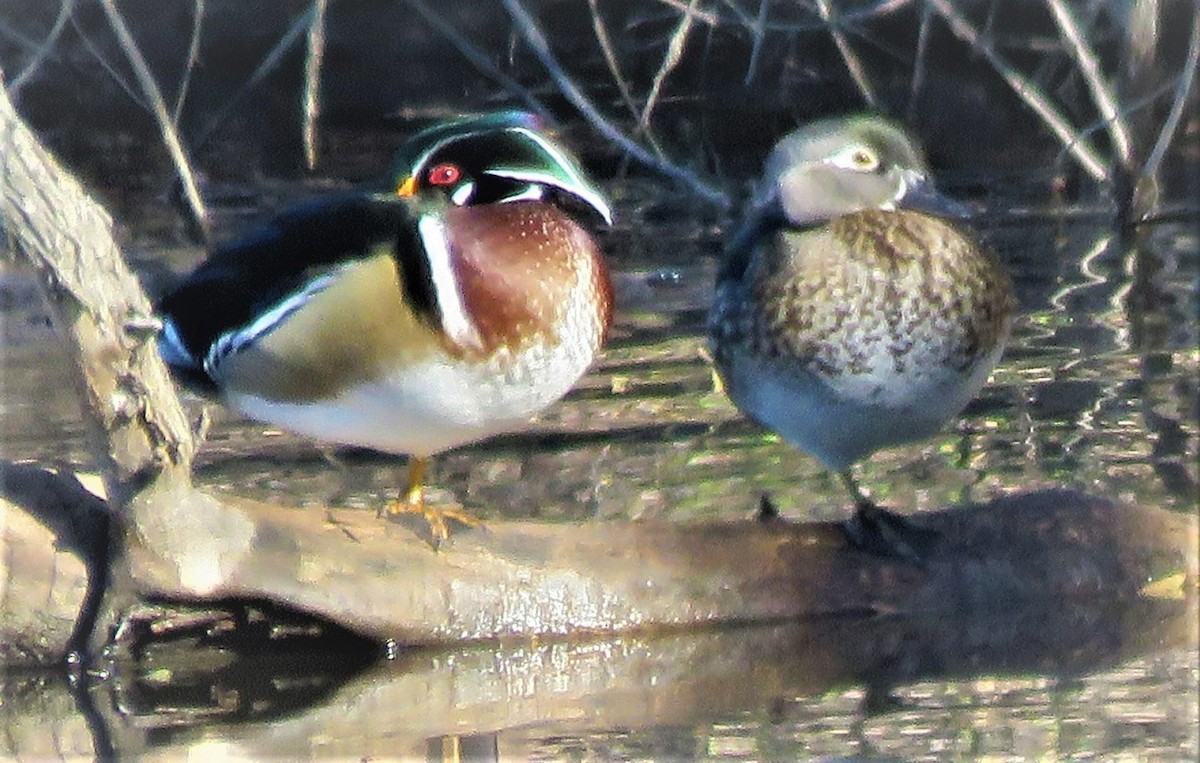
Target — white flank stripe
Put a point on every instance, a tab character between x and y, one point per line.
232	341
455	321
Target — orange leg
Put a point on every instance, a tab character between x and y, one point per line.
414	503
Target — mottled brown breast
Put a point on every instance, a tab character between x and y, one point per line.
520	267
877	282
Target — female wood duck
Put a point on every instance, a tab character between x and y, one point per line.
454	304
850	314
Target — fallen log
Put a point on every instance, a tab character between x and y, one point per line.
384	580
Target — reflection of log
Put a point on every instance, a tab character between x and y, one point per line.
289	702
628	682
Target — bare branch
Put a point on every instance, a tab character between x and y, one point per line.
268	64
1184	85
1076	144
610	57
690	10
65	9
159	109
758	33
312	81
918	77
537	41
853	64
189	63
478	58
1089	68
670	60
107	65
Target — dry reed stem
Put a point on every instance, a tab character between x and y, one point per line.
1089	68
158	108
1027	91
855	66
189	64
314	56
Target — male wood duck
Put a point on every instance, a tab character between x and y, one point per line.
453	304
851	313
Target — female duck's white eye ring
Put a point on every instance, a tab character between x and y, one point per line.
857	158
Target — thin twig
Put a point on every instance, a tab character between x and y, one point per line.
610	57
268	64
1089	67
708	18
479	59
533	37
918	76
105	64
670	60
758	34
65	9
312	81
1081	149
857	71
159	109
859	14
1187	79
189	63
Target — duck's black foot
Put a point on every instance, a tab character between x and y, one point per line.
879	531
767	511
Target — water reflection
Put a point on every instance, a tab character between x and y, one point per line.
1024	683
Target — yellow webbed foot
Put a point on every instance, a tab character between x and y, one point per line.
413	502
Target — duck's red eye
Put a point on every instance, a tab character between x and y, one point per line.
444	174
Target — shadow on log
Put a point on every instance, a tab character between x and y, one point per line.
53	563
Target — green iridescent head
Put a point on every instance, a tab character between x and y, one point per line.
493	158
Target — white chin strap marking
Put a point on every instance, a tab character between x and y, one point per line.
455	321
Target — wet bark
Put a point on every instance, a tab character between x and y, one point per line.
385	581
